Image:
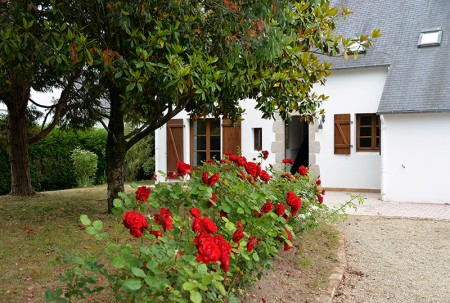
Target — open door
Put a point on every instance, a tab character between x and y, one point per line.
297	142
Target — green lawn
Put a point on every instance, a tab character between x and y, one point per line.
32	227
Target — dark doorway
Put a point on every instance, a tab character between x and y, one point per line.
297	142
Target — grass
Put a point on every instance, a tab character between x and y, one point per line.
32	227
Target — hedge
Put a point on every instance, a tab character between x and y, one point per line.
51	167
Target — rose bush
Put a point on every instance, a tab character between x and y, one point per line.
198	240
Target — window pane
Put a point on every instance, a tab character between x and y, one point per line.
199	127
215	155
215	143
365	142
257	138
199	157
200	143
365	120
378	131
214	127
378	142
365	131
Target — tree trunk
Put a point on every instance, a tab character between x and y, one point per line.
18	141
115	150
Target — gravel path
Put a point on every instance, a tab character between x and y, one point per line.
396	260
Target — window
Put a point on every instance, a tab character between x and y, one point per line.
257	138
367	132
205	140
431	37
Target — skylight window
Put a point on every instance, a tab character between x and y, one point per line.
430	37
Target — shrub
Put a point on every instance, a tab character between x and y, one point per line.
139	160
197	240
85	166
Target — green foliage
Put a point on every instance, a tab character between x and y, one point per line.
167	268
85	164
140	160
51	167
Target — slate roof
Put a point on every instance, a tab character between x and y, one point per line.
419	78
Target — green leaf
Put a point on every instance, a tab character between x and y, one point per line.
132	284
202	268
77	271
134	185
255	256
240	211
138	272
85	220
98	225
116	211
91	230
207	279
220	287
196	297
230	226
118	262
117	203
130	87
189	286
49	296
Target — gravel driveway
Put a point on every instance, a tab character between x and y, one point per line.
396	260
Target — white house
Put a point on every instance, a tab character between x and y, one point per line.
387	121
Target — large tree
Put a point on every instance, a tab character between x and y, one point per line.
154	59
39	51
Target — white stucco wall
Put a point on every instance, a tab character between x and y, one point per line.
252	119
353	91
416	157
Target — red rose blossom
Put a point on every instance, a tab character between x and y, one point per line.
209	225
214	179
303	171
205	177
279	209
213	200
286	175
225	252
208	250
172	175
195	212
142	193
197	225
183	168
288	161
239	224
320	198
265	154
223	213
294	202
289	236
238	235
264	176
156	233
135	222
252	242
164	218
318	182
268	206
241	161
251	169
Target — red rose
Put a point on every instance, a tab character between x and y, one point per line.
241	175
172	175
320	198
239	224
234	158
155	176
238	235
286	217
241	161
225	252
164	218
228	153
286	175
318	182
195	212
142	193
323	191
265	154
156	233
289	236
294	202
279	209
197	225
208	250
209	225
183	168
205	177
135	222
251	169
264	176
223	214
302	170
251	243
213	200
268	206
288	161
214	179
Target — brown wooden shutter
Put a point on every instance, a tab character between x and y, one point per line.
342	134
231	140
174	143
